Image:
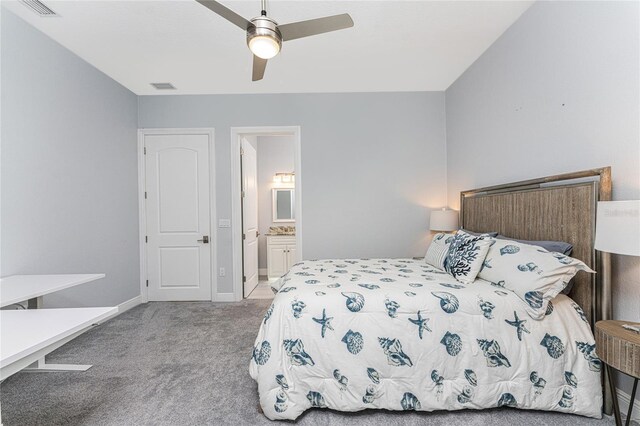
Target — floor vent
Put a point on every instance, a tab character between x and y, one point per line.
163	86
38	7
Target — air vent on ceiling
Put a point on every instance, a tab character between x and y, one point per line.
163	86
38	7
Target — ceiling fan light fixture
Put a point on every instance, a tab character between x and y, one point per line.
264	38
264	46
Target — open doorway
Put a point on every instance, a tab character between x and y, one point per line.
266	195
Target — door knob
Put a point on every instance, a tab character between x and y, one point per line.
204	240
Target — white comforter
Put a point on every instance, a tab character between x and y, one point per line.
400	335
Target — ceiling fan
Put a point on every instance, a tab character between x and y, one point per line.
265	36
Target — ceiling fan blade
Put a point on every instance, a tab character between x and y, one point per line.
259	66
315	26
226	13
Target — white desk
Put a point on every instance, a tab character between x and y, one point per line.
28	335
31	288
18	288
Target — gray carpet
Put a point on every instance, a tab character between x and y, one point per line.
187	364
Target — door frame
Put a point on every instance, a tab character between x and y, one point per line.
142	212
236	193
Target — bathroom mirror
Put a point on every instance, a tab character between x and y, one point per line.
283	205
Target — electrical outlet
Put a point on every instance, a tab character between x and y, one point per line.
222	272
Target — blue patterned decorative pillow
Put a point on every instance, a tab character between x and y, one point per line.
466	255
531	272
438	250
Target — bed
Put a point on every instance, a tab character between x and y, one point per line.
399	334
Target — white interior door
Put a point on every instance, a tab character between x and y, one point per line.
178	216
249	216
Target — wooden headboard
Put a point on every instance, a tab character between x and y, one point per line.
556	208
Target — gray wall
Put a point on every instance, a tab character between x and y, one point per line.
69	170
372	163
558	92
275	155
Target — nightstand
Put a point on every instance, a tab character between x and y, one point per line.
620	349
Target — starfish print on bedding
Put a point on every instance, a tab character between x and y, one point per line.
518	324
325	322
422	324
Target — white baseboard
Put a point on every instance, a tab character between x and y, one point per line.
262	271
224	297
131	303
623	401
125	306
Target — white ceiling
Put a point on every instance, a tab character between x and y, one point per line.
394	46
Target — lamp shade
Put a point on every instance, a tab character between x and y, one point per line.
443	220
618	227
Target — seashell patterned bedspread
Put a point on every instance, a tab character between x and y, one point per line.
400	335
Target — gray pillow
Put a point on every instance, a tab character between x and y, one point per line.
477	234
554	246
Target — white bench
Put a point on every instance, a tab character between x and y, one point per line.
27	335
21	288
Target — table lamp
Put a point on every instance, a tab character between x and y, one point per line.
618	230
443	220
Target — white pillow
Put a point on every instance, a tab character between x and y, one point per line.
531	272
438	249
466	255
